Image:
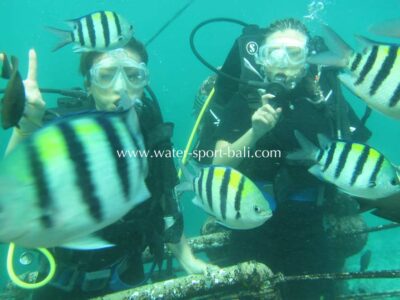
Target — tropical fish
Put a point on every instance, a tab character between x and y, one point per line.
66	181
373	75
387	208
389	28
232	198
100	31
357	169
13	101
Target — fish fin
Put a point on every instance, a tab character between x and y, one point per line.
196	201
336	44
323	141
366	42
65	37
316	171
348	80
88	243
327	59
184	187
187	175
308	149
389	28
365	204
388	214
6	69
79	49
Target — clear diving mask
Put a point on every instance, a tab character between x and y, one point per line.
284	61
118	65
283	53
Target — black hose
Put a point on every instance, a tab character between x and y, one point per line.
258	84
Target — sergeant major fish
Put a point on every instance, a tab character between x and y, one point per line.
232	198
13	101
357	169
65	182
100	31
373	75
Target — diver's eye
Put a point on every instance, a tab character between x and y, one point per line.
257	209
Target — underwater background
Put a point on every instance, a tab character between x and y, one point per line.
176	74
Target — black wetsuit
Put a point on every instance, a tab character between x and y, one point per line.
293	241
141	227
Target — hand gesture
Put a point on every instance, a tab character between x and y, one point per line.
265	118
35	105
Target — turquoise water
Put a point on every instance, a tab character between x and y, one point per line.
176	74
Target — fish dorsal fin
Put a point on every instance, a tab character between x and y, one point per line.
389	28
367	43
336	44
323	141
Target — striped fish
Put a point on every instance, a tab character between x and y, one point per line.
66	181
357	169
373	75
100	31
232	198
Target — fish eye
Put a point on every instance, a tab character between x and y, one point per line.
257	209
394	181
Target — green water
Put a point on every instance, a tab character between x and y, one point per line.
176	74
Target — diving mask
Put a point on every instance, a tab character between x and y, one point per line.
118	65
283	53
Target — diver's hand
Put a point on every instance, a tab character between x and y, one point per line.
265	118
35	105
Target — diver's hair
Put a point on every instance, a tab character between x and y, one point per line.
88	58
288	23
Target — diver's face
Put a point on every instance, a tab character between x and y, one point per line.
283	55
113	76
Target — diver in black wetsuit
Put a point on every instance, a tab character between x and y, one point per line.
298	239
82	274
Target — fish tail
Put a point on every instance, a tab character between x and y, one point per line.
65	35
308	150
188	177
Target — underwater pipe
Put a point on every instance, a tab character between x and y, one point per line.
250	279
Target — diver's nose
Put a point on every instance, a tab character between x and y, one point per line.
120	84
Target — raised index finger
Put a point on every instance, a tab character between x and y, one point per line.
32	70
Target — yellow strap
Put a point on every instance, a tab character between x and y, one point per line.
25	285
194	130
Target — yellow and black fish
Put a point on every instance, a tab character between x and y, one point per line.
373	75
65	182
13	101
225	193
100	31
357	169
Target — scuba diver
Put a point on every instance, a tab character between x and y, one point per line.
265	91
112	78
